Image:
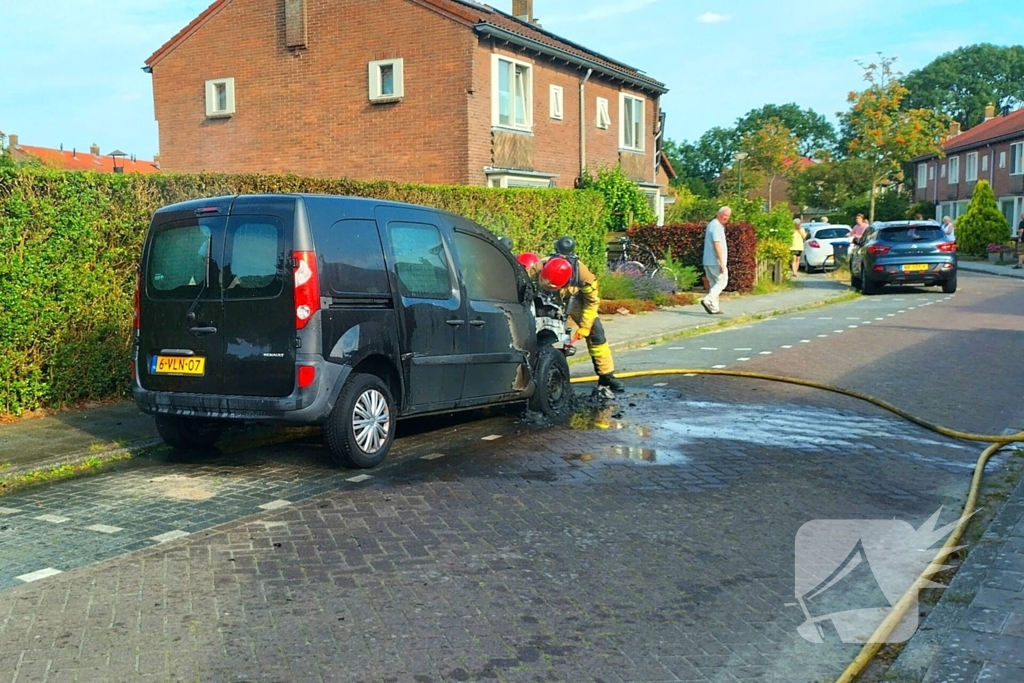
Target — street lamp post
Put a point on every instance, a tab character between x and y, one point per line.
117	156
739	157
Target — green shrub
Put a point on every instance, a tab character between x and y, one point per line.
626	202
70	242
773	250
686	277
983	223
687	244
777	224
616	286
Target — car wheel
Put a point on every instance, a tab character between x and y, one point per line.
867	287
856	280
359	431
188	433
554	392
949	286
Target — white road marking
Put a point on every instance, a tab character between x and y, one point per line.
359	478
902	310
492	437
879	318
805	341
677	348
432	456
822	336
824	318
170	536
104	528
718	367
799	318
853	318
838	331
853	327
890	315
54	519
665	384
9	511
689	374
709	348
743	349
275	504
742	359
911	308
787	346
41	574
866	322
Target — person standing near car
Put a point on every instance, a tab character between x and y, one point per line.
949	227
716	260
859	227
1020	243
796	246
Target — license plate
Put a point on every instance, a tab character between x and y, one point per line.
911	267
190	366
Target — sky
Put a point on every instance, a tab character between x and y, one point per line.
70	70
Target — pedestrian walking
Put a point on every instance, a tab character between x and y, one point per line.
949	227
716	260
1020	243
796	245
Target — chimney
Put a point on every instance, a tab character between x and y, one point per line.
94	150
12	141
523	10
990	112
954	129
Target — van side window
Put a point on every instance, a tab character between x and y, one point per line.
420	261
488	275
180	260
255	261
351	258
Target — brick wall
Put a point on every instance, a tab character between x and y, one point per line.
308	111
941	190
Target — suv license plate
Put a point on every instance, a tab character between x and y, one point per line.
915	267
190	366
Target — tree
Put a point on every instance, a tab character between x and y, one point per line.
885	134
773	151
815	135
960	84
983	224
830	184
626	202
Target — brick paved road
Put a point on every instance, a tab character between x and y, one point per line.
653	543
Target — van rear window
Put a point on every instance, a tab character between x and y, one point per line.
179	260
255	265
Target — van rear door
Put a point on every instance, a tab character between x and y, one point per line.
181	347
259	314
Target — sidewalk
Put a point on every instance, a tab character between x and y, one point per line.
991	269
74	436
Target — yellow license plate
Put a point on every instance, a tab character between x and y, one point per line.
915	267
191	366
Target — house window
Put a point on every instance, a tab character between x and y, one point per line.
1002	160
943	172
922	175
220	98
984	163
604	119
511	93
1017	158
556	102
931	173
387	80
510	179
631	113
971	168
954	170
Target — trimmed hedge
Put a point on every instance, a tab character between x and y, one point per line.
70	242
687	244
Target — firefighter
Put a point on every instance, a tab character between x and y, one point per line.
576	286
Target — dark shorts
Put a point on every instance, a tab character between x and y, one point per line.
796	252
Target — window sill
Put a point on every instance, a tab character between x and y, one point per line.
507	129
626	150
220	115
385	100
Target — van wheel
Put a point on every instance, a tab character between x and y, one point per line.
188	433
360	429
554	393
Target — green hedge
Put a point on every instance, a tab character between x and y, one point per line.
70	241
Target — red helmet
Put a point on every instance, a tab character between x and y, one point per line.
528	259
555	274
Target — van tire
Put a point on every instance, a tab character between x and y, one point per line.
554	393
365	392
188	433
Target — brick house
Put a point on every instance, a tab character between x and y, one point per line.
993	151
427	91
74	160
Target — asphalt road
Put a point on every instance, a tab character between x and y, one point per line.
651	540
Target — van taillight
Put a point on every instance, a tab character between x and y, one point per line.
138	312
307	287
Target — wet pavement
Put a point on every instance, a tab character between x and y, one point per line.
651	539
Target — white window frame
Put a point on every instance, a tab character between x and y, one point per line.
604	117
971	168
499	62
1017	158
376	80
512	180
557	106
942	174
213	111
1002	160
984	163
954	170
639	131
922	175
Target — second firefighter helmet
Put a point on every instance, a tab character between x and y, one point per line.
566	246
528	259
555	274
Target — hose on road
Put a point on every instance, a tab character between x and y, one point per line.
889	624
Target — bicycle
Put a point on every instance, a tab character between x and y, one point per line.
634	259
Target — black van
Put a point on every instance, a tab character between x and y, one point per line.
345	312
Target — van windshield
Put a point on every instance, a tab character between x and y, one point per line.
180	259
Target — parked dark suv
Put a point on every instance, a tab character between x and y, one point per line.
350	313
903	253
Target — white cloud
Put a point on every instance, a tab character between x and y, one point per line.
713	18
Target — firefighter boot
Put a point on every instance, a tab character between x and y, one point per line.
612	382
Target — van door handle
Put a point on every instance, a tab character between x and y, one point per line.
477	323
202	331
455	323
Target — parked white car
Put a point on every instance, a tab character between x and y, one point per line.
818	251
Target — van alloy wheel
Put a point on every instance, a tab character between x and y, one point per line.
371	421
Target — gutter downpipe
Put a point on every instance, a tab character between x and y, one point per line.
991	164
583	122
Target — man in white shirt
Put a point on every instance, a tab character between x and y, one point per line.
716	260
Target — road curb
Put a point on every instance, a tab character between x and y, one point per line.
969	269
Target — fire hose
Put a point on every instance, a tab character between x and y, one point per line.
892	620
